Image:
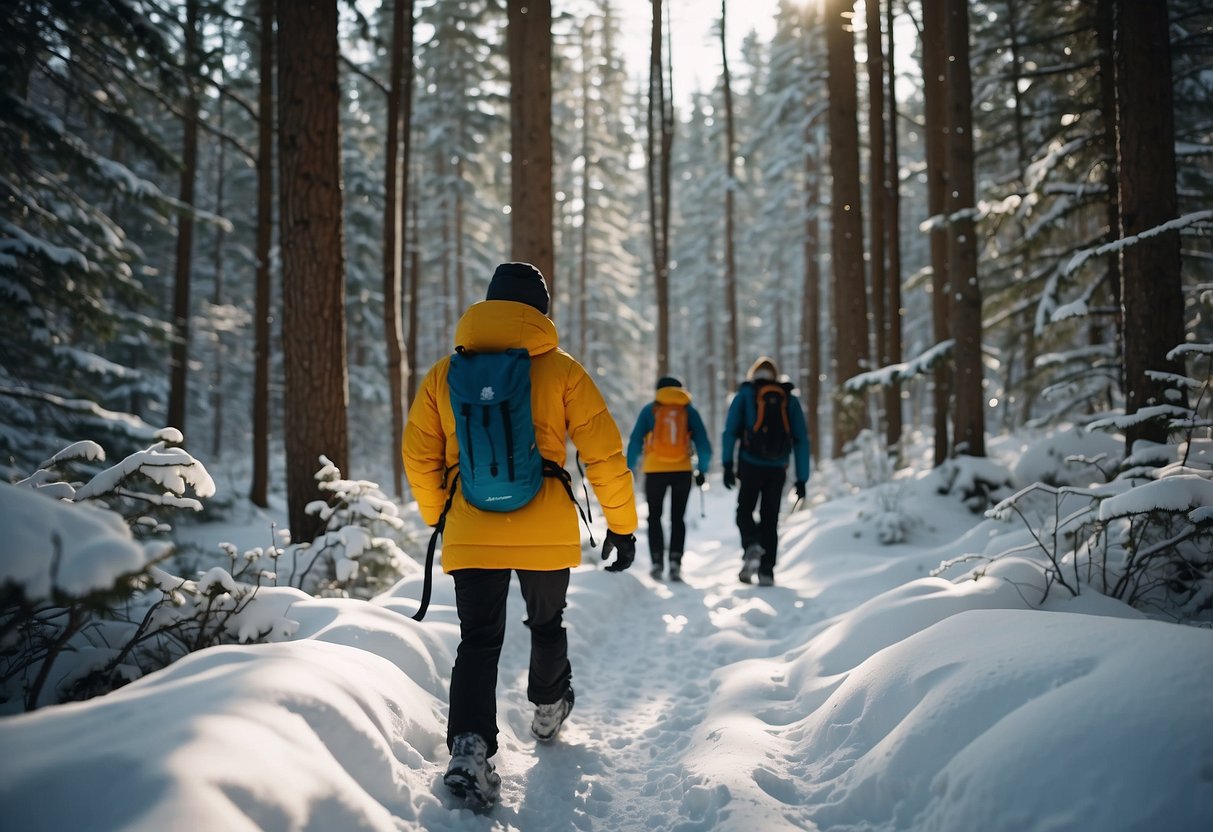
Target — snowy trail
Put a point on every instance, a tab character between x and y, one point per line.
860	693
643	653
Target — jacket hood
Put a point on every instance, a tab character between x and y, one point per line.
763	361
672	395
496	325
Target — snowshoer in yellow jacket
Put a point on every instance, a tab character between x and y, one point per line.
541	541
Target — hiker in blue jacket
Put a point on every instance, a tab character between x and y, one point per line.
766	418
664	433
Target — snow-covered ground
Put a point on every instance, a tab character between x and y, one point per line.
858	693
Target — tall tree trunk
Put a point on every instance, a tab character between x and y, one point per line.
810	323
1152	297
934	69
313	271
1019	108
408	202
217	422
962	240
1105	34
393	229
530	48
893	234
733	345
179	353
460	293
877	186
849	297
413	294
258	491
444	205
583	264
709	335
779	313
658	171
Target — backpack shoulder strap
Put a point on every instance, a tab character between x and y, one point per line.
551	469
427	586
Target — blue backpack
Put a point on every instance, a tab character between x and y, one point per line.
500	468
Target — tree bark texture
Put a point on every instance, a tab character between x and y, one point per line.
849	297
179	352
393	231
1152	295
658	144
1105	34
259	490
587	196
969	392
733	346
530	49
934	68
877	219
810	322
412	293
313	275
893	233
218	427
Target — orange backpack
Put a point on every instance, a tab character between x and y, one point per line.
670	439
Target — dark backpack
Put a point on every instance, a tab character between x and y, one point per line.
770	437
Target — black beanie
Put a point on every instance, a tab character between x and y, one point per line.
668	381
519	282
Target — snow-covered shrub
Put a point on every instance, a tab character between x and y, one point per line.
890	520
1145	538
1069	455
354	556
144	488
83	606
977	480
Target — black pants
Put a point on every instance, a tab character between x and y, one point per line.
678	483
480	598
761	486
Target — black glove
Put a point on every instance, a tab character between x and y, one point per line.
624	545
729	479
800	489
700	479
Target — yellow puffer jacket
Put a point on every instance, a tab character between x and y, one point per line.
565	403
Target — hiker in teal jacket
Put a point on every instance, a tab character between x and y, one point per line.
766	418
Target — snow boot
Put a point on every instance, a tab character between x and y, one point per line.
470	775
766	580
752	559
549	718
655	572
676	571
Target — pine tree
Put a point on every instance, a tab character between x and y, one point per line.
84	174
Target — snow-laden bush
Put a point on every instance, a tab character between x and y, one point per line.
977	480
355	556
890	519
83	606
1140	528
1146	537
